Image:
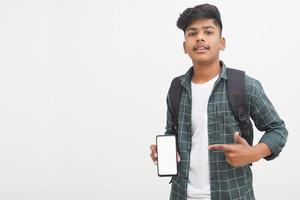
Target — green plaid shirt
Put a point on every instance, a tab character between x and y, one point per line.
227	182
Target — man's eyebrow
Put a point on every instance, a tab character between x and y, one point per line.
207	27
194	28
191	29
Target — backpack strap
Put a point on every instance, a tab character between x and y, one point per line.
236	92
175	91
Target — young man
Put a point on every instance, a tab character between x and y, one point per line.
214	160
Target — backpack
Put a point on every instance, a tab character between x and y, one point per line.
236	92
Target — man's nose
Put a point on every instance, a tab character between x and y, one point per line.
200	38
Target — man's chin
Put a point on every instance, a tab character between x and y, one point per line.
201	60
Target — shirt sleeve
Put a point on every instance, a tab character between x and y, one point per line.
266	119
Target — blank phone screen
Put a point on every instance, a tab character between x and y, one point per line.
166	155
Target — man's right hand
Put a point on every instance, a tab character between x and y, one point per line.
153	154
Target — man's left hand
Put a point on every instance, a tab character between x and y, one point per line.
238	154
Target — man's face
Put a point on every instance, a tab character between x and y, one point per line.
203	41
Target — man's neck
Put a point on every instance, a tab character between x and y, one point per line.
204	72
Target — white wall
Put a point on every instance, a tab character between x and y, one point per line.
83	87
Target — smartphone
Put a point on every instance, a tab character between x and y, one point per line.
166	155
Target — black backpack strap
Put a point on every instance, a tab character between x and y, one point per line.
236	92
175	91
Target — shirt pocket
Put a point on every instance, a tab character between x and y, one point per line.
227	125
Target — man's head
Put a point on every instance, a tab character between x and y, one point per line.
203	11
202	27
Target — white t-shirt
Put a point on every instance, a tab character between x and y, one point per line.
199	181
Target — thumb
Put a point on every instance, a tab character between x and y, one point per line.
238	139
178	157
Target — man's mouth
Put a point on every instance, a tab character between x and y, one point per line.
200	48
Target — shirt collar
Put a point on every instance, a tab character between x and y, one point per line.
187	77
223	72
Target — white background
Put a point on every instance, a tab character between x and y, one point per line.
83	87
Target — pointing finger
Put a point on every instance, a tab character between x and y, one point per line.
224	147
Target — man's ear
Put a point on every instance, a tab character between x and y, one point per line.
222	43
184	48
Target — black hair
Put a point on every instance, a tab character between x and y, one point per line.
203	11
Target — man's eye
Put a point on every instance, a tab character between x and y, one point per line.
208	32
191	34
